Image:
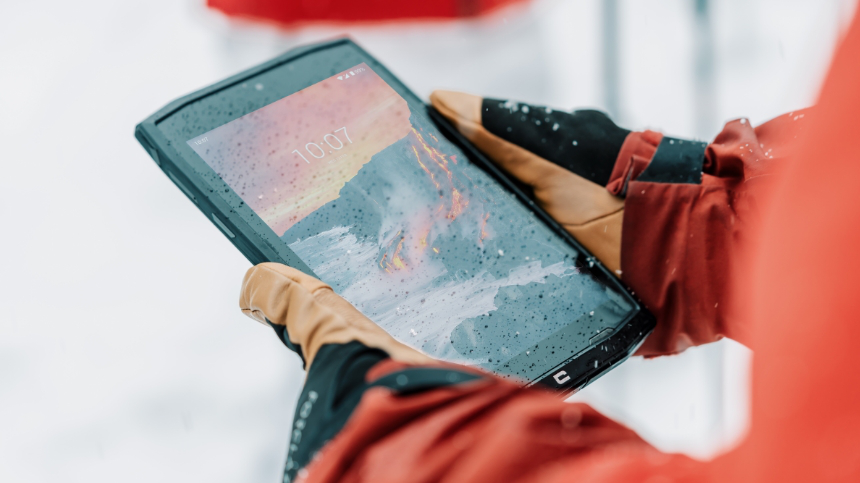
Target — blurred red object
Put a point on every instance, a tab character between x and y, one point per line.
288	12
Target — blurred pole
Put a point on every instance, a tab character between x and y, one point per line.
610	59
705	107
706	126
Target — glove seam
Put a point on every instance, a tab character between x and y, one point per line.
577	225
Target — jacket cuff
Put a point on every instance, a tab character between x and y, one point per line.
636	153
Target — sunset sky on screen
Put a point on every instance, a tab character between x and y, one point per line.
254	153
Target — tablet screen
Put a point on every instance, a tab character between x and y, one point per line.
366	191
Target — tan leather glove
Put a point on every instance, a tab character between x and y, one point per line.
312	315
565	158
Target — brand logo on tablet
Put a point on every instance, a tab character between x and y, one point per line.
561	377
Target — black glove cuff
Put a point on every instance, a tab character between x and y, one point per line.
585	142
676	161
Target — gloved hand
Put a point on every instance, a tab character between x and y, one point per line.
307	314
686	207
565	158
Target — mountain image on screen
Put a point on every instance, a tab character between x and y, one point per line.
443	259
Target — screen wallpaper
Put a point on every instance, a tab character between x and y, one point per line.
400	223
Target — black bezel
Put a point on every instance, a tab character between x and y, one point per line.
260	244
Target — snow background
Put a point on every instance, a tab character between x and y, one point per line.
123	355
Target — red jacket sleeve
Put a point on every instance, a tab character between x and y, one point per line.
488	430
680	239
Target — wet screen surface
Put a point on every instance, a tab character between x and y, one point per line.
366	191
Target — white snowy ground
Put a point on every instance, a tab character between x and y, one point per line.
123	356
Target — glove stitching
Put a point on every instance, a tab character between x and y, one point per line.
574	225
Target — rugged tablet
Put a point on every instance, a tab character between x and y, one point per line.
322	160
